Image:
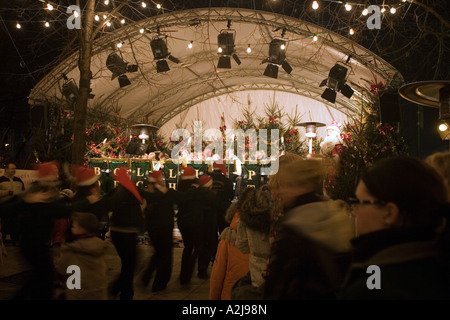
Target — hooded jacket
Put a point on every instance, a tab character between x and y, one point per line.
230	264
89	255
409	263
312	252
253	238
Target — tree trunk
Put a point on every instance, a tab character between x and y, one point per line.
86	41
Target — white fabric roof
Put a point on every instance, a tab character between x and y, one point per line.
195	89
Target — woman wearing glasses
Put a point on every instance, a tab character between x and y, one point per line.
401	245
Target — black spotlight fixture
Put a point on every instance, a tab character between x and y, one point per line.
225	40
69	90
161	53
277	58
119	68
336	82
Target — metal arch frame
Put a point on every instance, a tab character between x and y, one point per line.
190	17
212	76
303	90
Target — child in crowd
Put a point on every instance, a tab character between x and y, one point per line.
87	251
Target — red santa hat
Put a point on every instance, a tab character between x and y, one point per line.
205	181
125	181
48	172
221	167
81	176
188	173
334	126
155	176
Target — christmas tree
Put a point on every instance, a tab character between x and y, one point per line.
363	143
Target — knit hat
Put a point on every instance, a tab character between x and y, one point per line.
155	176
48	173
221	167
125	181
188	173
205	181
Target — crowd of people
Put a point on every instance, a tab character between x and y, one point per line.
285	240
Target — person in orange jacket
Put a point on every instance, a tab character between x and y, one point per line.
230	264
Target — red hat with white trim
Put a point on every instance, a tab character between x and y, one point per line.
85	176
81	176
205	181
188	173
48	172
155	176
221	167
125	181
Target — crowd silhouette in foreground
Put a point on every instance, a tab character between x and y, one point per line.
285	240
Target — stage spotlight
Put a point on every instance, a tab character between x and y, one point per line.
336	82
161	53
277	58
119	68
69	90
225	40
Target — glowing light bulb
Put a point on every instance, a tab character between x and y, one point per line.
104	17
393	10
47	24
315	5
443	127
190	45
108	23
249	50
383	10
282	47
315	38
106	2
141	30
158	6
18	26
97	18
143	4
49	7
119	45
348	7
122	21
365	12
351	32
219	49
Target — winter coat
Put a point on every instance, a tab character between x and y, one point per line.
100	208
89	255
14	184
253	238
230	264
312	251
190	209
159	212
126	210
409	267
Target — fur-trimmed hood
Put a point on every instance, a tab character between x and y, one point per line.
326	222
255	211
229	234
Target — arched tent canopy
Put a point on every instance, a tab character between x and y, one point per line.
195	89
